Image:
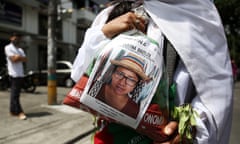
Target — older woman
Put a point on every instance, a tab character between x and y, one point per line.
195	30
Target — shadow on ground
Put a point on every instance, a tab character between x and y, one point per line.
38	114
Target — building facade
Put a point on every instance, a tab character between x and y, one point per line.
30	17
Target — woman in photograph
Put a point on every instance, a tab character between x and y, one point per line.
126	81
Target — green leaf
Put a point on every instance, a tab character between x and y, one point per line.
186	117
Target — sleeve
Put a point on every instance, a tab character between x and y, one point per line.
93	41
206	130
8	51
204	51
22	53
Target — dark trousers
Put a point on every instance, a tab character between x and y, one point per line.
15	105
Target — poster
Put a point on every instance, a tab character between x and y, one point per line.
124	78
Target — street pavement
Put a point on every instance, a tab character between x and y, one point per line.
234	139
46	124
60	124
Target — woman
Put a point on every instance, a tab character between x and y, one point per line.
127	76
198	36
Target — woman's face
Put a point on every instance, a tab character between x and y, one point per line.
123	81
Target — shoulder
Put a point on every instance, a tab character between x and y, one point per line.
8	46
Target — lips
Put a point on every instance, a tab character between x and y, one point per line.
119	89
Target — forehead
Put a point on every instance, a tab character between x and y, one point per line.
15	37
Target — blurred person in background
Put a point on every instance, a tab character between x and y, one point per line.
15	57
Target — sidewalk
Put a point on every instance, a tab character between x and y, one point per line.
46	124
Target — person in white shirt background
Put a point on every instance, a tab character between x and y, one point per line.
15	57
195	30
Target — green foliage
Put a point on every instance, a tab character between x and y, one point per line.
185	116
229	11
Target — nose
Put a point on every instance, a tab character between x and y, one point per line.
122	81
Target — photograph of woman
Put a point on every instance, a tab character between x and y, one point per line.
127	79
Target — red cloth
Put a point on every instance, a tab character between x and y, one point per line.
73	97
103	137
153	123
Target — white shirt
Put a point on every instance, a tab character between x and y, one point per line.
15	69
195	30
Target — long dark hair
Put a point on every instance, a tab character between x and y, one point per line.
121	8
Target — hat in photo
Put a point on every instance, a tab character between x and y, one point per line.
133	63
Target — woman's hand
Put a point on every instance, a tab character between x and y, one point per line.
123	23
171	130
